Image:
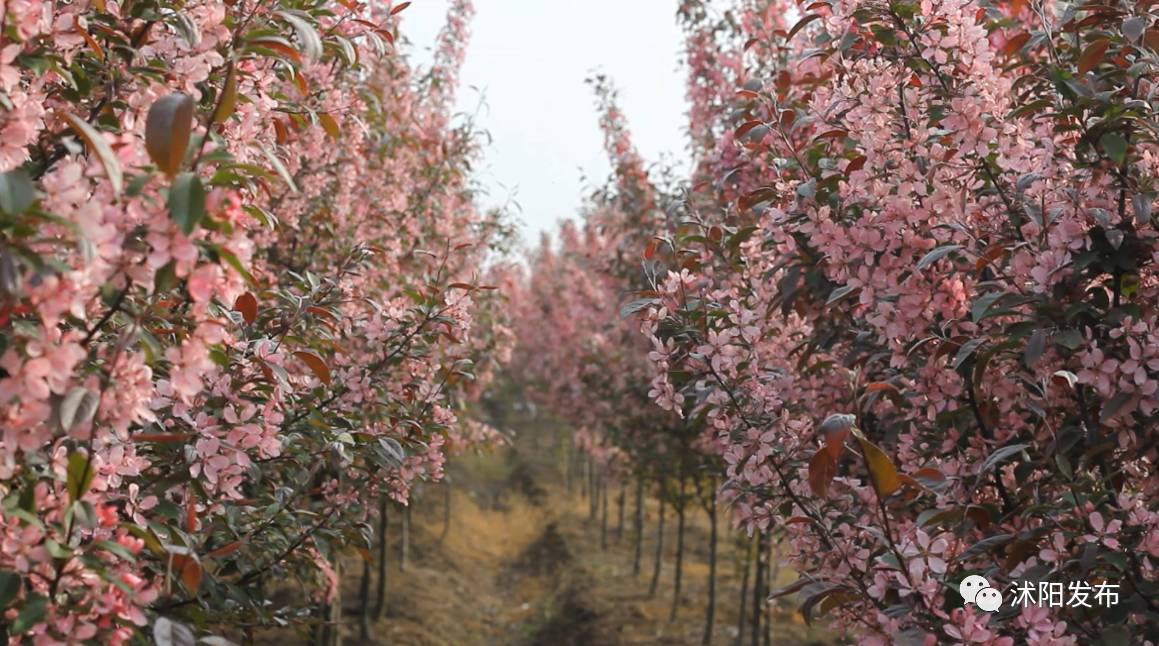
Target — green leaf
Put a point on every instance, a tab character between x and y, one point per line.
307	35
1001	455
637	305
1116	636
884	35
227	102
840	292
937	254
80	475
1134	27
167	632
31	614
801	25
983	304
11	277
17	192
1115	146
167	129
116	548
281	169
883	474
1113	406
233	261
96	141
77	407
9	587
187	201
985	545
1034	348
56	550
966	351
165	278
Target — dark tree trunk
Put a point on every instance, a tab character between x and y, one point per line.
604	513
710	611
383	543
319	634
744	591
594	490
680	506
568	468
404	548
758	591
336	610
589	480
446	510
771	579
659	551
639	526
327	632
364	603
620	501
582	474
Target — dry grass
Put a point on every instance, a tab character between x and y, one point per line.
522	563
512	571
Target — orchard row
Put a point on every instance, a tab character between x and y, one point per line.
240	303
902	317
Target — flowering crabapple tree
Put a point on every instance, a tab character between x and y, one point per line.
239	299
914	296
582	352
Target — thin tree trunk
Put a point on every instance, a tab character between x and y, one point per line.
774	568
383	543
639	525
327	632
680	507
582	475
336	609
577	469
568	464
587	480
404	548
620	501
659	551
364	603
758	591
604	514
319	634
594	488
744	591
446	510
710	612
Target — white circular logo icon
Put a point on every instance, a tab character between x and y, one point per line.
971	586
989	599
976	589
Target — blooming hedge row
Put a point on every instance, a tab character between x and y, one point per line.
915	300
909	296
240	294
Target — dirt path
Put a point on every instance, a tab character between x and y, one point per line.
522	565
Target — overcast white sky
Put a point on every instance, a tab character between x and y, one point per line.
528	59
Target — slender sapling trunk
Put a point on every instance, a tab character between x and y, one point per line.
680	506
639	526
383	543
744	591
659	551
710	611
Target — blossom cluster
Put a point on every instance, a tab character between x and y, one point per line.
579	351
912	298
240	295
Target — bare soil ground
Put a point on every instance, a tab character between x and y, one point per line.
521	564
